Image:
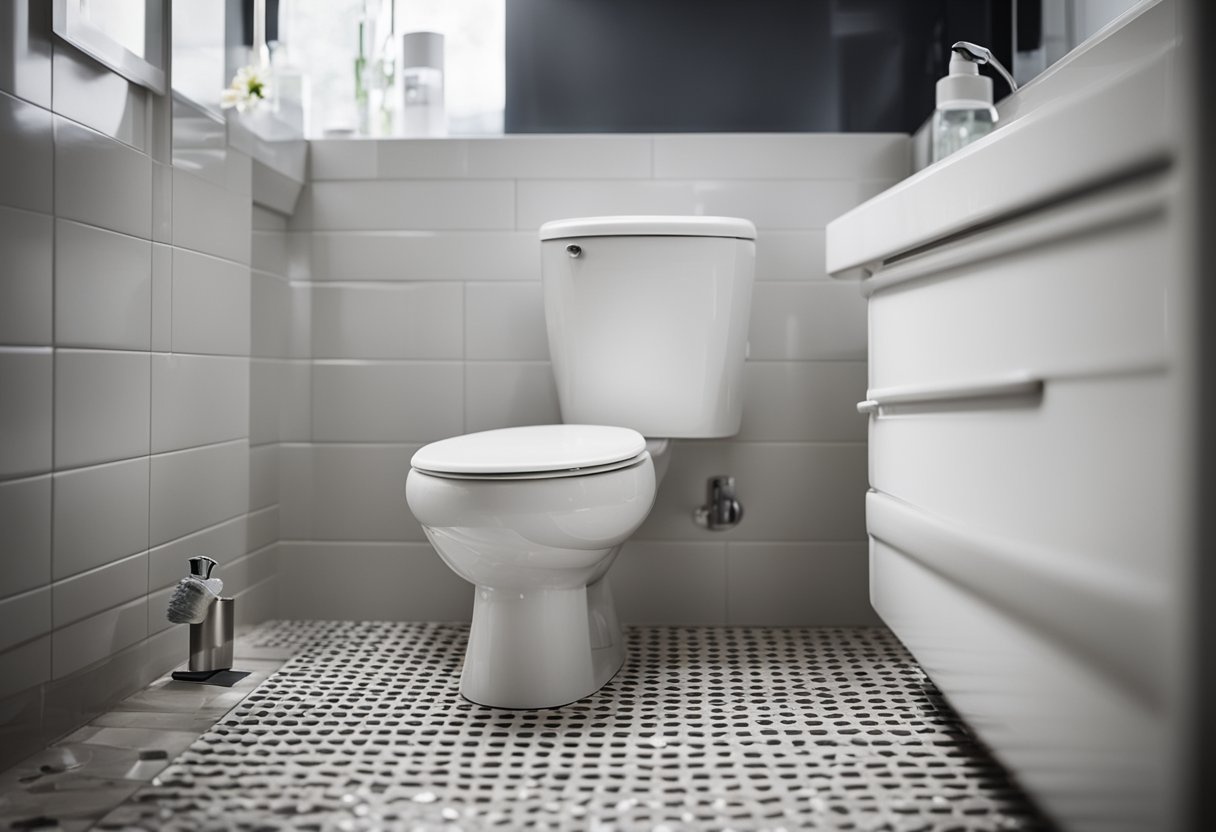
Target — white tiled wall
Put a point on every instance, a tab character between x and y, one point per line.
427	321
127	316
185	372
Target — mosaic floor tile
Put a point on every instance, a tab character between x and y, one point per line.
704	728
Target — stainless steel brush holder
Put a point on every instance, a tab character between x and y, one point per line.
211	641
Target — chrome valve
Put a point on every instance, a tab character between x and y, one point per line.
722	510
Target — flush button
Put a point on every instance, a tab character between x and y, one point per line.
574	251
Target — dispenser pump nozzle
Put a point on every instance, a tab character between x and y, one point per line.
966	53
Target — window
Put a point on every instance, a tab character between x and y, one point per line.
322	37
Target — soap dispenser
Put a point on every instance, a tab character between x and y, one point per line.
964	100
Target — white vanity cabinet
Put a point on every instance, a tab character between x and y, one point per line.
1028	504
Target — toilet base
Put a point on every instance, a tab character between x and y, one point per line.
542	648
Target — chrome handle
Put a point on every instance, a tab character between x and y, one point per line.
201	566
722	510
1015	387
574	251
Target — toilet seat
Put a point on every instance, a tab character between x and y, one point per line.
534	452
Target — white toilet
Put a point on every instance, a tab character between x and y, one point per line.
647	320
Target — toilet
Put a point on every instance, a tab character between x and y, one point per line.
647	323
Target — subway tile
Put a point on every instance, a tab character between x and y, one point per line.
101	181
263	528
770	204
94	95
265	381
299	255
101	406
164	651
560	157
299	335
210	219
103	288
26	377
505	321
681	583
342	159
270	311
426	255
27	250
791	255
265	219
99	589
25	29
22	668
258	604
346	492
223	542
251	570
211	304
413	204
370	582
782	156
503	394
27	156
790	491
86	642
420	159
84	695
416	320
25	535
238	175
100	515
269	252
799	585
161	328
158	610
295	401
301	219
381	402
197	488
198	400
162	203
200	142
24	617
807	322
803	401
263	477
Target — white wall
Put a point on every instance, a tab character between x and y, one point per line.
427	322
125	336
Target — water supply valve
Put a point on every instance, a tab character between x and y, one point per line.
722	510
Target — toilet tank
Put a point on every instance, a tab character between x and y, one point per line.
647	320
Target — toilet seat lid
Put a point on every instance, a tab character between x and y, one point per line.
533	449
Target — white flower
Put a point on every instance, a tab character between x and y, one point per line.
250	86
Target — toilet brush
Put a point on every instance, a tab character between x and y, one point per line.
192	598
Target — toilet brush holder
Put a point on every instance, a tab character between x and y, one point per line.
211	640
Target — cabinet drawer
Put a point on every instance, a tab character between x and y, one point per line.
1081	470
1072	290
1066	729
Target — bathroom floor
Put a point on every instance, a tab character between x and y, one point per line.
704	728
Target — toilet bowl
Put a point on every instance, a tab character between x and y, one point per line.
533	517
647	325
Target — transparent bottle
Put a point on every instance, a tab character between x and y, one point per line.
955	128
964	100
422	105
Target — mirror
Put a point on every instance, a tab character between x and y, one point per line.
125	35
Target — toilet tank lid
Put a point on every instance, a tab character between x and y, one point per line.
657	226
530	449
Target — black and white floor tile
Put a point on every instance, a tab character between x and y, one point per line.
704	728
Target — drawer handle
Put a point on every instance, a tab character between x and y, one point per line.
1018	386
